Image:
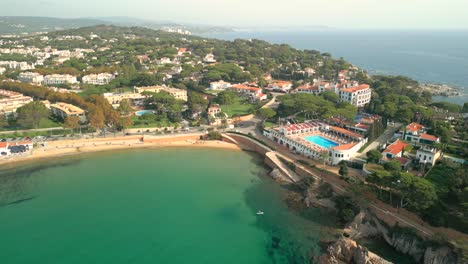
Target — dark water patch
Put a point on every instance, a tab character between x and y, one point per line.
294	234
19	201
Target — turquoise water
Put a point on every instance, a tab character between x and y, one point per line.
153	206
321	141
142	112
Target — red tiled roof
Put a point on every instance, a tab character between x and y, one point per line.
345	146
308	87
356	88
3	144
244	87
396	147
414	127
428	137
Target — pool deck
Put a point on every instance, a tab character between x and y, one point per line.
301	139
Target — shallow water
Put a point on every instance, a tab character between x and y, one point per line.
152	206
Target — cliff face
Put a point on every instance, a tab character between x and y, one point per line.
346	250
367	226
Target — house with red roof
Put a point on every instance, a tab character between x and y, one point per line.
253	93
416	134
394	150
279	85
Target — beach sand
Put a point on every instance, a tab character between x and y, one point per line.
79	146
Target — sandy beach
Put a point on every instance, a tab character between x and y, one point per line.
80	146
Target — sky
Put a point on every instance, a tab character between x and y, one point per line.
344	14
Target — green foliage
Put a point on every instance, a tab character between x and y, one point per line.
325	190
417	193
316	107
346	208
373	156
343	171
214	135
17	57
226	97
266	113
393	166
31	114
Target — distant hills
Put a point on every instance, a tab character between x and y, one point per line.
25	24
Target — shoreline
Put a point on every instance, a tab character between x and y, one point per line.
82	146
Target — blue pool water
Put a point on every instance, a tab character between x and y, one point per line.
142	112
321	141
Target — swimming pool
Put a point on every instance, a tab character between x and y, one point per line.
321	141
142	112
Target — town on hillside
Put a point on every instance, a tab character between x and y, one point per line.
107	80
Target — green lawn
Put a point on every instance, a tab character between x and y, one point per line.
238	108
137	123
44	123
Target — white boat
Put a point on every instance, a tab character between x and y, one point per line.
260	212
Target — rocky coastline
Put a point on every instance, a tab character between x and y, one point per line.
346	248
440	89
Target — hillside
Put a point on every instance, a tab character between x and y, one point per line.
24	24
18	25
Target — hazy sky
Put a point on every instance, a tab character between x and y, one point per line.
396	14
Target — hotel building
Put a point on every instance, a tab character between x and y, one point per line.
31	77
56	79
65	110
317	140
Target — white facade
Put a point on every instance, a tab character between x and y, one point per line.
24	66
357	96
31	77
283	86
2	70
220	85
55	79
12	101
427	155
209	58
98	79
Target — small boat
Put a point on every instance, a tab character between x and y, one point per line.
260	212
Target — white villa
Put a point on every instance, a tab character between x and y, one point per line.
98	79
220	85
31	77
283	86
357	95
177	93
253	93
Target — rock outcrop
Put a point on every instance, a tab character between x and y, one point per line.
346	251
365	225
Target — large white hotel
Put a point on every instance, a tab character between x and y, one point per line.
317	140
55	79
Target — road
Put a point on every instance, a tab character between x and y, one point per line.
386	136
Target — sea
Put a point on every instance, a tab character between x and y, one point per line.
439	57
174	205
153	206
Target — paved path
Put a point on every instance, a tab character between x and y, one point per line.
386	135
31	130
